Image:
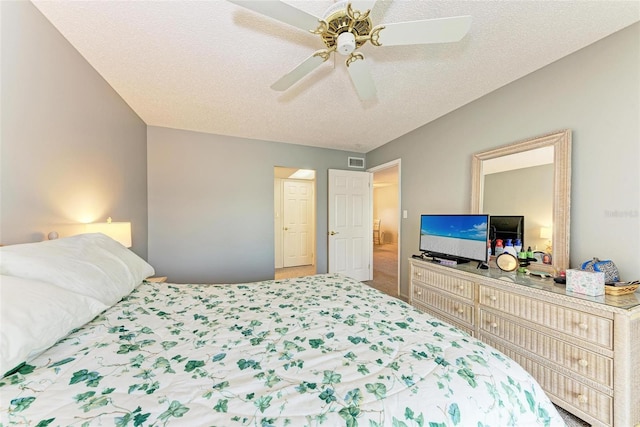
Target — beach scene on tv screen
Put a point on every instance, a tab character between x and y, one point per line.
462	236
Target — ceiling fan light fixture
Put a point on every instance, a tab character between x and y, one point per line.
346	43
341	19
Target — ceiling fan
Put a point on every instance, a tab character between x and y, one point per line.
345	27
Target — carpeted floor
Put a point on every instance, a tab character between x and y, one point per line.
289	272
385	269
571	420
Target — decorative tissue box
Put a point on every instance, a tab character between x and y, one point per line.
585	282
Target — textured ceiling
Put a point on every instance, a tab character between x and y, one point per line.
207	65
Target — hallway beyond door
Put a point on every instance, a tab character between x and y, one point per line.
385	269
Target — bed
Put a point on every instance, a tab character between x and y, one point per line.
317	350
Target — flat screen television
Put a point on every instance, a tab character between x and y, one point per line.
505	227
461	237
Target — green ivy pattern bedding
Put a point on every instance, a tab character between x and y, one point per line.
321	350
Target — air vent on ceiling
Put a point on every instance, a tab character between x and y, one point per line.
356	162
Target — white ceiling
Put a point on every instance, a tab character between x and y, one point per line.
207	65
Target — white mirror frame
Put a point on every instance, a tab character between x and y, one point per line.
561	143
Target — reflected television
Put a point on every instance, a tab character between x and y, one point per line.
457	237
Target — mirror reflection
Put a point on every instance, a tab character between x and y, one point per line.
518	187
526	186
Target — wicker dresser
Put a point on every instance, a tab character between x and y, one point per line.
584	351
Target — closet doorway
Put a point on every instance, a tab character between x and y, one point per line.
294	222
386	239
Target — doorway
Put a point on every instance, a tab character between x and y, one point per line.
386	239
294	222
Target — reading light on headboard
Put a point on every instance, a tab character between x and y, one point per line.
119	231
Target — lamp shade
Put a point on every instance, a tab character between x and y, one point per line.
545	232
118	231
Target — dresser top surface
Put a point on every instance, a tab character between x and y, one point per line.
628	301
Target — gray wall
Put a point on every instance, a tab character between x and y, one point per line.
596	93
71	150
211	204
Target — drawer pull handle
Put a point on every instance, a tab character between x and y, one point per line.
494	325
419	293
461	287
583	363
418	274
460	310
582	398
583	326
493	298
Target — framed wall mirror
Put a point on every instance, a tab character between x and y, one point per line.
531	178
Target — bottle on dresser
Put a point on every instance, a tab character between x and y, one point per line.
508	248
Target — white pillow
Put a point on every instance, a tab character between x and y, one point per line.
93	265
34	315
138	267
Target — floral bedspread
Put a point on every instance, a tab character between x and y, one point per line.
320	351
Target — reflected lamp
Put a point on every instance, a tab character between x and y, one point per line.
546	233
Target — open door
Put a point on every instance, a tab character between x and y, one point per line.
349	224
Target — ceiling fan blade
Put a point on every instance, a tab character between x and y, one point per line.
282	12
441	30
361	76
307	66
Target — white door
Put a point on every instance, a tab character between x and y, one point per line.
350	227
297	201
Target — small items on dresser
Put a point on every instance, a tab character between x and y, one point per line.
612	283
508	248
499	248
585	282
596	278
621	288
506	261
607	267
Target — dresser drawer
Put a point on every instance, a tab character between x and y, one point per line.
456	308
587	364
582	325
588	400
441	316
454	285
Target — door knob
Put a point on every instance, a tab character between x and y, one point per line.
286	228
332	233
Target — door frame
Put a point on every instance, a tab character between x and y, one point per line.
373	170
